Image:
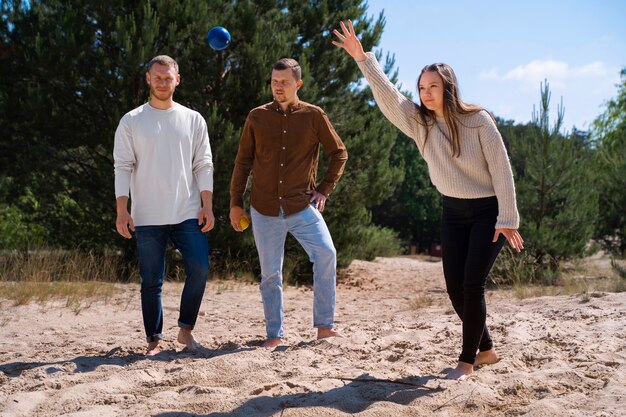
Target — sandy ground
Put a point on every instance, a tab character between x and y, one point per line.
561	356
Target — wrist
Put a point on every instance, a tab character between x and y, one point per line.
360	57
121	204
206	198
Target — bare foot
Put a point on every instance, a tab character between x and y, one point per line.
186	338
323	333
462	371
153	348
488	357
272	342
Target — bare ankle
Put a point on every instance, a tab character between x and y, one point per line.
272	342
153	348
185	337
462	371
325	332
486	357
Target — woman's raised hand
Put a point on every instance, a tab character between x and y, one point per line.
349	41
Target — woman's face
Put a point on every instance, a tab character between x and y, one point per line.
431	91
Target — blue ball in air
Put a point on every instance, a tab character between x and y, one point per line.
218	38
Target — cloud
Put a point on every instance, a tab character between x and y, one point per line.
558	73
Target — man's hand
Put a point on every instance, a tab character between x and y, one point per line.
123	223
206	216
317	199
236	213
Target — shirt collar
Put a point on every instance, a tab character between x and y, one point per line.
291	108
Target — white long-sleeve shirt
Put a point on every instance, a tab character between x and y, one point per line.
482	169
164	158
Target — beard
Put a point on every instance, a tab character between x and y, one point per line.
161	95
280	97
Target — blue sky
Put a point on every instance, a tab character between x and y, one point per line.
502	50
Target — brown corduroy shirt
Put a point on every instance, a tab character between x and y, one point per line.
281	150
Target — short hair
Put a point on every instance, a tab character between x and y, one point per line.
288	63
163	60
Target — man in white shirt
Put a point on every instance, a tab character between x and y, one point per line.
163	156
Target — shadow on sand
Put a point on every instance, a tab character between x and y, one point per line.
121	357
353	397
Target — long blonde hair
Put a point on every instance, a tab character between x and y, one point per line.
453	106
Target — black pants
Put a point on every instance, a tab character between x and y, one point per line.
467	230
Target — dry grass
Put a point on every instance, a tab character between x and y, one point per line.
245	277
224	286
586	277
421	301
56	265
77	278
76	295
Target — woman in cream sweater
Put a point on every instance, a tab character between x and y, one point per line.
468	163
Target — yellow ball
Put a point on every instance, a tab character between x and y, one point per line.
244	222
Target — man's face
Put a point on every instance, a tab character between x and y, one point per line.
162	80
285	86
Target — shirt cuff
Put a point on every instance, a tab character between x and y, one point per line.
122	183
205	180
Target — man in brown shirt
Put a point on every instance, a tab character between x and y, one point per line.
280	146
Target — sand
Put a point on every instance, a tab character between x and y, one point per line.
561	355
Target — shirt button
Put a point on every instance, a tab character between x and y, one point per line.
282	165
280	181
284	131
283	147
280	198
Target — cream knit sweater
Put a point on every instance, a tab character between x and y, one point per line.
482	169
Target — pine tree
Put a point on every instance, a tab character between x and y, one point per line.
414	210
609	132
71	70
556	196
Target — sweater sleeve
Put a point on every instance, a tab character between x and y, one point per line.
123	158
202	156
501	174
396	107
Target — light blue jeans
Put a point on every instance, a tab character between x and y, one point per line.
310	230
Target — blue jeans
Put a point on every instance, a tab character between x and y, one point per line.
309	229
151	245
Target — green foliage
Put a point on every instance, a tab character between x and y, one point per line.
414	209
556	195
520	269
16	231
70	70
362	240
609	132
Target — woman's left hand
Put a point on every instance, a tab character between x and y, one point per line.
512	236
